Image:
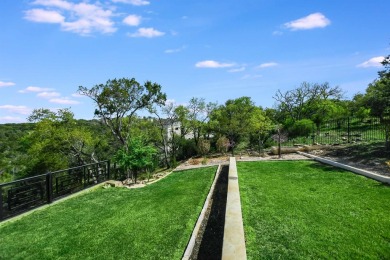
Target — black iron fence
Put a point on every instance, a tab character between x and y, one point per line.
23	195
342	131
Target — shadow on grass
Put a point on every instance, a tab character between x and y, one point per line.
363	151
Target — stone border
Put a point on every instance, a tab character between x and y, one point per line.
195	232
234	238
368	174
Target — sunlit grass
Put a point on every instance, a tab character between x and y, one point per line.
305	210
154	222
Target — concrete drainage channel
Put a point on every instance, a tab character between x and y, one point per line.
219	231
210	240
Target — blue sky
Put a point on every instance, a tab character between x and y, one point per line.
217	50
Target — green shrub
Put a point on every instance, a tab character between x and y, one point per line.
302	127
222	144
203	146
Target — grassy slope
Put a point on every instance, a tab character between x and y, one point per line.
154	222
304	210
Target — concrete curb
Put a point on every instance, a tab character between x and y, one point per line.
234	237
195	232
368	174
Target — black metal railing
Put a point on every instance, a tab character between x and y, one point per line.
23	195
344	130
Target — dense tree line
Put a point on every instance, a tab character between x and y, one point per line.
55	140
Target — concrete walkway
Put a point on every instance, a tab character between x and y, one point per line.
234	238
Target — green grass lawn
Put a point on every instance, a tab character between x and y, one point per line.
306	210
154	222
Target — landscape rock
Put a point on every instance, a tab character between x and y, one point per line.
113	183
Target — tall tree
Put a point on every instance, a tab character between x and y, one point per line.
260	126
377	98
58	142
136	158
304	101
169	134
233	119
118	101
198	114
385	73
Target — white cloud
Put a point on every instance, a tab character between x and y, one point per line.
267	65
277	33
147	33
47	94
54	3
170	102
132	20
82	18
44	16
10	119
64	101
373	62
34	89
249	76
316	20
91	18
16	109
77	95
132	2
174	33
213	64
237	69
6	84
175	50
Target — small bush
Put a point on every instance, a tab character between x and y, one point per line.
187	149
203	146
204	161
302	127
222	144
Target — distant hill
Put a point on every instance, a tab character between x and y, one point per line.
14	151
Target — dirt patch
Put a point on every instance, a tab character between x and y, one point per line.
369	157
203	162
224	160
288	156
128	183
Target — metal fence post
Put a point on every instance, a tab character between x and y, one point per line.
49	187
313	135
108	169
84	176
349	130
115	172
1	204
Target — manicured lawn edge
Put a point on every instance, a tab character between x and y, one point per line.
45	206
308	210
151	222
